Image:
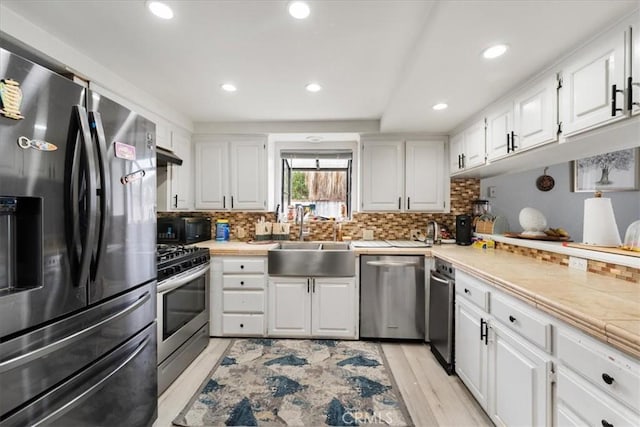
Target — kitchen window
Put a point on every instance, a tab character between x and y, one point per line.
320	180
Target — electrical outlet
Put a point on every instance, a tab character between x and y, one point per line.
578	263
491	191
415	234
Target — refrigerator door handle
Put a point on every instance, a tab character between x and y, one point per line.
48	349
92	389
80	158
97	131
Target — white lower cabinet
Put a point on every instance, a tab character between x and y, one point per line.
471	349
312	307
509	376
289	306
509	355
580	403
332	312
238	296
519	383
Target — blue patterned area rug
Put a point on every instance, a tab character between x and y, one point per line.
265	382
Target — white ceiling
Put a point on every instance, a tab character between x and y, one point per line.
382	59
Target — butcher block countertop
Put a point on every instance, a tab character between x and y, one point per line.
237	248
604	307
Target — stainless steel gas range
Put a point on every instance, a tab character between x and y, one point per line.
183	309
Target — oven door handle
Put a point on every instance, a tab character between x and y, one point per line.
177	281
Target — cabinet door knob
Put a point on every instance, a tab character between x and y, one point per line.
606	423
242	283
607	378
467	291
242	325
512	319
242	267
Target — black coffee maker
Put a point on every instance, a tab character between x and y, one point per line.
463	229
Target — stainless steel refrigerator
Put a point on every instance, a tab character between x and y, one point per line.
77	254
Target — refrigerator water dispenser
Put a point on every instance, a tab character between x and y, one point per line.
20	243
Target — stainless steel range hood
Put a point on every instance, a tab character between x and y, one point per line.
165	157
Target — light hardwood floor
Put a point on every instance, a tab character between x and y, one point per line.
432	397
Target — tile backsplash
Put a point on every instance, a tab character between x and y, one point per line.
385	225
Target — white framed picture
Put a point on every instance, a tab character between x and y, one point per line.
614	171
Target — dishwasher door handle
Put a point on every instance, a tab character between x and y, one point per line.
435	277
391	264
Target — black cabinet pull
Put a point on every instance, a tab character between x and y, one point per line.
231	202
512	319
459	161
242	325
462	156
242	267
308	285
408	203
607	378
175	204
614	92
467	291
484	331
508	144
630	102
513	141
224	202
242	283
606	423
399	202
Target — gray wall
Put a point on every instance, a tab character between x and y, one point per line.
561	207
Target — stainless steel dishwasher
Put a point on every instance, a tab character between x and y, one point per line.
441	311
392	297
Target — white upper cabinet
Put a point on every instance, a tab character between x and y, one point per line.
231	175
456	148
535	115
633	83
591	80
175	183
474	145
211	175
467	149
182	176
403	176
424	175
527	120
248	175
382	175
499	128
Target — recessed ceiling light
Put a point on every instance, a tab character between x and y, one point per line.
299	9
313	87
495	51
440	106
160	9
229	87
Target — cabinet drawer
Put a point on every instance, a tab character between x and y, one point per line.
473	290
237	281
524	321
601	365
243	301
243	324
593	406
243	265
